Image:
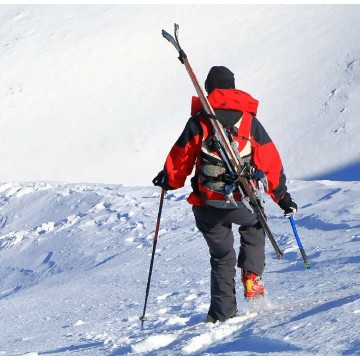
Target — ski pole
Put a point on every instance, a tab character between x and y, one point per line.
302	251
143	317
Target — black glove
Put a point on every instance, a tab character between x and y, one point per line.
288	205
160	180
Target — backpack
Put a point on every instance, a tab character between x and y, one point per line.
210	179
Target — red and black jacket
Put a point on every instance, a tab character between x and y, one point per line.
229	105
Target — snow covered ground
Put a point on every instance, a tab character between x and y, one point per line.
74	261
91	99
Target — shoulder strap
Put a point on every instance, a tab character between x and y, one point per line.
243	137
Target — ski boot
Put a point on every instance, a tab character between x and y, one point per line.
253	286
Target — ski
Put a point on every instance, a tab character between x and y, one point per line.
227	149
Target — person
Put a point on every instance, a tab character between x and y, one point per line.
214	213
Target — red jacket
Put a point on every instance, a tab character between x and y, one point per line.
229	105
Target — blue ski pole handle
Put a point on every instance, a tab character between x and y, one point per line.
302	251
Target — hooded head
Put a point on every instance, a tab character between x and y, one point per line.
219	77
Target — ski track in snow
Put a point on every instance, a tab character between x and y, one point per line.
74	260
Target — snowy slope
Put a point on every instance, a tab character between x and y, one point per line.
74	261
95	94
92	97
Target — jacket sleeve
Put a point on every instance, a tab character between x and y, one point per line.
266	158
181	159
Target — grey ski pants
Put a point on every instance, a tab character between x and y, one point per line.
216	226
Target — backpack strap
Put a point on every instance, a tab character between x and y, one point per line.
243	136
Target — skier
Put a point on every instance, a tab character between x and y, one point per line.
214	213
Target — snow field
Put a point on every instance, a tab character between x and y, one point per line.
75	259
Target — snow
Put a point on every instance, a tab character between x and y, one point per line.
94	93
85	95
75	259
